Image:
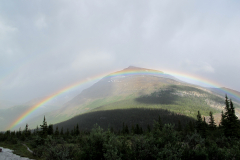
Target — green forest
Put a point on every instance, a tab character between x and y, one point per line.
164	139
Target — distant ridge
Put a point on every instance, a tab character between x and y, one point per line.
135	87
139	69
220	91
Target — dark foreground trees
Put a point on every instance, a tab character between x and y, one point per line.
229	120
196	140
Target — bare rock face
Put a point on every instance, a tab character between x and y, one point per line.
7	154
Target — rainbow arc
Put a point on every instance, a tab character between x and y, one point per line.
128	71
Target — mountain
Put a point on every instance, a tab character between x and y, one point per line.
137	88
112	88
8	115
222	92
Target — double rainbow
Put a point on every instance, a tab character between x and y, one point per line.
132	71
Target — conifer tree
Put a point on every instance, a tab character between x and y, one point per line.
50	129
233	124
74	130
204	128
44	128
13	133
34	132
191	126
201	125
111	129
67	133
133	129
137	129
229	122
148	128
26	130
227	108
77	130
141	130
179	128
20	131
123	128
160	123
126	130
223	120
56	131
199	122
61	133
212	124
37	130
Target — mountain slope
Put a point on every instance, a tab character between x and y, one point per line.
8	115
111	89
139	89
221	92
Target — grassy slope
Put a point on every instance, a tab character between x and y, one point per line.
167	99
87	107
183	101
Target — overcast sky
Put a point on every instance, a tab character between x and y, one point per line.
48	45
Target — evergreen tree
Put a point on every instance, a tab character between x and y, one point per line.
74	130
123	128
77	130
204	128
37	130
212	124
56	131
26	130
148	128
233	125
20	131
50	129
13	134
160	123
137	129
223	120
201	125
34	132
141	130
199	122
179	128
61	133
227	108
67	133
229	122
191	126
133	129
126	130
111	129
44	128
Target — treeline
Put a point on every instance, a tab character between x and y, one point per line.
196	139
114	119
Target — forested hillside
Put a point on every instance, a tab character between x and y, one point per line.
166	138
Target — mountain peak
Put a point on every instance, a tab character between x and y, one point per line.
140	69
133	67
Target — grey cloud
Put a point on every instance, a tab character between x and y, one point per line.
48	45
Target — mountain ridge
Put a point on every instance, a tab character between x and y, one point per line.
127	88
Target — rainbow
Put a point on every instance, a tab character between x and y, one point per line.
124	72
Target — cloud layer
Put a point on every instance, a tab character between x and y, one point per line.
47	45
